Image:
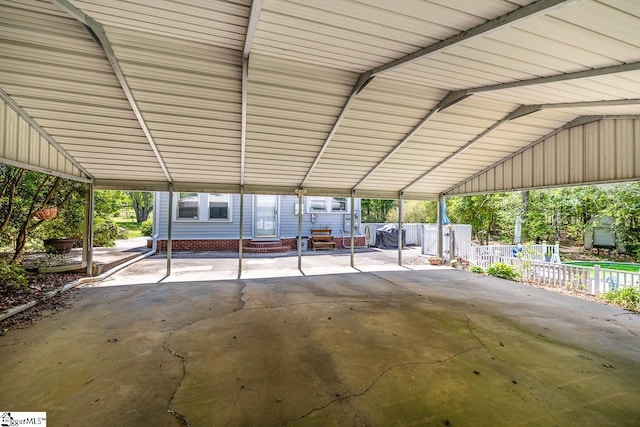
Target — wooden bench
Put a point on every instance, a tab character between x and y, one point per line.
321	238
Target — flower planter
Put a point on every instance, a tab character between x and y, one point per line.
60	246
46	213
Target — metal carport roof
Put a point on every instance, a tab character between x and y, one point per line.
378	97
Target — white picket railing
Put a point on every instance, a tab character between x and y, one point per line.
485	255
591	280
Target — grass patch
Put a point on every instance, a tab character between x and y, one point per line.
129	224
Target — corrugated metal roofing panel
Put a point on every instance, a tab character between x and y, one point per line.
173	64
586	153
21	144
183	66
370	34
218	22
375	124
55	65
311	104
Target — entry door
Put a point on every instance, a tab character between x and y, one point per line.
265	222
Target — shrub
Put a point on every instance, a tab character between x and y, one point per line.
105	232
11	277
503	271
476	269
628	298
146	228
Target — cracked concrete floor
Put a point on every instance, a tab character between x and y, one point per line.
436	347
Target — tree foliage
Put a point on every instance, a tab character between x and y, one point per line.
23	194
376	210
142	202
553	214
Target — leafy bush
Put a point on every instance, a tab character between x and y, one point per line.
11	276
476	269
146	228
503	271
628	298
105	232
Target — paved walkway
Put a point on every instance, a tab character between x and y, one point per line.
195	266
433	347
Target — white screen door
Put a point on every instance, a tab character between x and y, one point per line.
265	217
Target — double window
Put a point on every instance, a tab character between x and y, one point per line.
203	207
328	205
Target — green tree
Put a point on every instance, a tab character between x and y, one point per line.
625	209
487	213
24	193
376	210
418	211
142	202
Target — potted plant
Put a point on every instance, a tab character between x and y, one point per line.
59	235
434	260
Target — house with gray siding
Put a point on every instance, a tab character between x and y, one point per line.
211	221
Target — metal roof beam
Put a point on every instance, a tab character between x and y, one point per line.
35	126
96	31
357	87
525	12
254	15
252	25
44	170
593	72
450	99
607	103
518	112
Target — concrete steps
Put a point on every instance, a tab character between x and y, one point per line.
266	247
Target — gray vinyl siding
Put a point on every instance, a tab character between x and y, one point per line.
288	221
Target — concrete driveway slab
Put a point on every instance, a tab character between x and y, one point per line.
436	347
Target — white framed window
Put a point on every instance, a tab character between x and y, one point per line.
219	207
188	206
328	205
317	204
339	205
213	207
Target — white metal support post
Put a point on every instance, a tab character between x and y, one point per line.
169	229
400	224
353	229
300	230
240	232
440	230
87	244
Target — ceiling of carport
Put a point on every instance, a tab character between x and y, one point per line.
377	97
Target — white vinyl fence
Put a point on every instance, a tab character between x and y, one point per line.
413	232
591	280
487	255
451	248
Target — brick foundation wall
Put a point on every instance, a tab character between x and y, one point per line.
360	241
231	245
223	245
